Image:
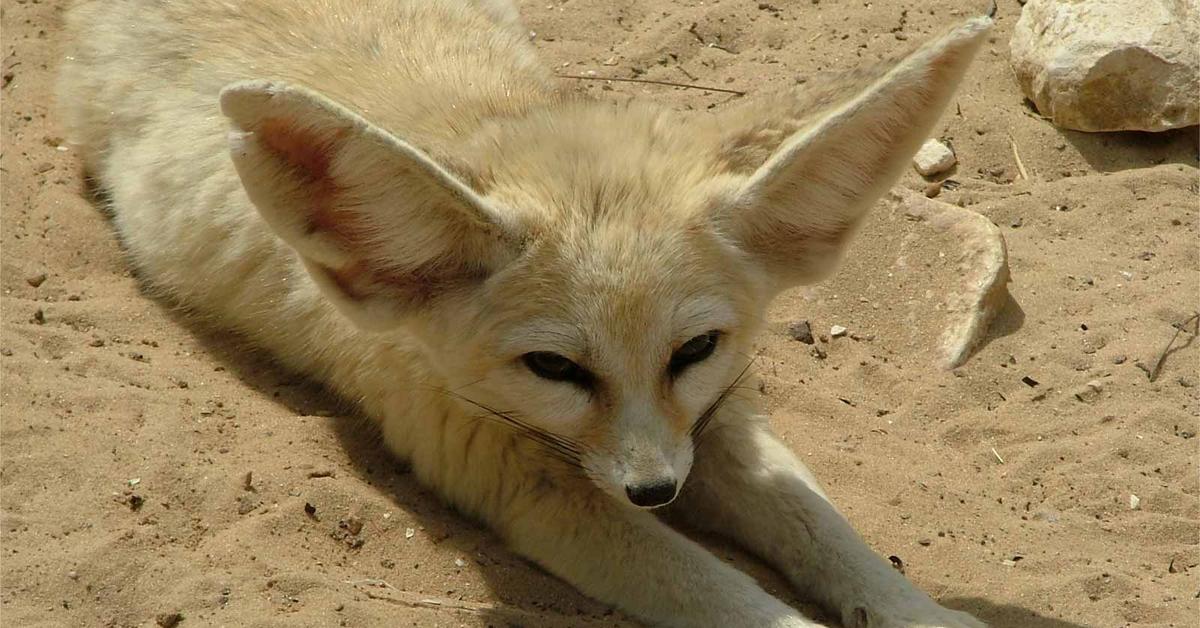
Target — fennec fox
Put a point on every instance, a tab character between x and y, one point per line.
546	302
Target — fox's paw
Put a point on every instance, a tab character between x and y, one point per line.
925	614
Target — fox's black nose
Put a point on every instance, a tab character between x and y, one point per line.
651	494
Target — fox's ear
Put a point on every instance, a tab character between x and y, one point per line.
797	210
382	228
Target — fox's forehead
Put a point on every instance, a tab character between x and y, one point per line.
609	286
600	329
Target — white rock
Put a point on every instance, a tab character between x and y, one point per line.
837	331
939	270
934	158
1110	65
1134	501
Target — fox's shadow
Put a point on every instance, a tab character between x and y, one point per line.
523	591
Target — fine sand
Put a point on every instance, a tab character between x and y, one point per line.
152	467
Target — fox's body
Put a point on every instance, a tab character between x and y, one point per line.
414	216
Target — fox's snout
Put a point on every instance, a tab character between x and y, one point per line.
652	494
648	469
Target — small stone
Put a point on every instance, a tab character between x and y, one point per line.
818	353
1016	223
136	502
801	331
168	620
353	524
96	342
933	189
460	563
5	351
43	167
310	510
246	504
933	158
1090	391
409	533
837	331
1187	382
39	317
1134	501
74	575
36	280
1120	359
926	542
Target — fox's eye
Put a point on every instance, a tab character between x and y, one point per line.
695	350
555	367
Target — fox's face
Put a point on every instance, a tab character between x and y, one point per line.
614	344
592	276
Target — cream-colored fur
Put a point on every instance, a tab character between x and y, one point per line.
393	198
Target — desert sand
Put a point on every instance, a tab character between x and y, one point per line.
158	472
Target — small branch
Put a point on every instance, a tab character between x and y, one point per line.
1016	155
653	82
1167	349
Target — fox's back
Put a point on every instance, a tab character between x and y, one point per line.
139	91
434	68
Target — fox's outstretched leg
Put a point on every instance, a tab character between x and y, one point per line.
747	484
630	559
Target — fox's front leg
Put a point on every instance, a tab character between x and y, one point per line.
628	558
746	483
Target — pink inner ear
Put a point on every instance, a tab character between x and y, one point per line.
308	153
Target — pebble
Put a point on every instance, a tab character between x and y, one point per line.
1090	391
36	280
926	542
801	331
460	563
934	158
1134	501
168	620
837	331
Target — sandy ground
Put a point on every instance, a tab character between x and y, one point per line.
150	467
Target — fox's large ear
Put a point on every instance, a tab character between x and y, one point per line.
795	213
382	228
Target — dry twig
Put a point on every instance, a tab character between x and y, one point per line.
653	82
1016	155
1162	357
